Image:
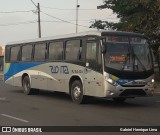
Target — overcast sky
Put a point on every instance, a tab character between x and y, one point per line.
15	26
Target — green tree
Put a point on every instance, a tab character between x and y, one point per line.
142	16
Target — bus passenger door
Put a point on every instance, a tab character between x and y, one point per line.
93	71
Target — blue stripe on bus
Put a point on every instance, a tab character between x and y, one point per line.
18	67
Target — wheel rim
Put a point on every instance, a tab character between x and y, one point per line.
26	86
77	92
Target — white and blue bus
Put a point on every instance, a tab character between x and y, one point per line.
109	64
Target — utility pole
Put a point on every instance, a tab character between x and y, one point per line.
77	6
39	20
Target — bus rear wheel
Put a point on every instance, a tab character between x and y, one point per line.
77	92
27	87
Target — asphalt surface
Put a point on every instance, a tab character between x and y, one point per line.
57	109
157	88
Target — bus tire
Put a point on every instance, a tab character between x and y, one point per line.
27	87
119	99
77	92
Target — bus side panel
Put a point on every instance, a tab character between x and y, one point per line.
47	77
58	75
17	81
61	73
94	84
34	75
17	78
8	75
47	80
55	76
13	72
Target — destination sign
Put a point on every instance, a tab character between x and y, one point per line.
117	58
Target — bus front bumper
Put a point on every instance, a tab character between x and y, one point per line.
130	92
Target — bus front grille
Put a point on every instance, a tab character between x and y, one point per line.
133	92
132	85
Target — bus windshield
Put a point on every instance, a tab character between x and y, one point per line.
127	53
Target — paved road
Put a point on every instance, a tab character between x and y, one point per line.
57	109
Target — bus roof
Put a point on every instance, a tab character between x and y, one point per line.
95	32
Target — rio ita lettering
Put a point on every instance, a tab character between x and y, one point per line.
59	69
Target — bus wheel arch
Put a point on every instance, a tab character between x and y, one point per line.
23	76
72	79
26	84
76	89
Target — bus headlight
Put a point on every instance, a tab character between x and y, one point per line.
111	81
151	82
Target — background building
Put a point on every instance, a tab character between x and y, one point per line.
1	58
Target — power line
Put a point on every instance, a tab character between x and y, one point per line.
34	3
56	18
6	12
64	8
29	22
70	20
87	20
63	20
18	23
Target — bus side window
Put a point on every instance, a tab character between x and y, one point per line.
26	53
73	50
91	55
40	52
56	51
15	53
7	53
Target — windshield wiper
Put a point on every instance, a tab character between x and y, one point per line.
135	65
136	57
126	60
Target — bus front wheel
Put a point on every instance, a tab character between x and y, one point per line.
77	92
